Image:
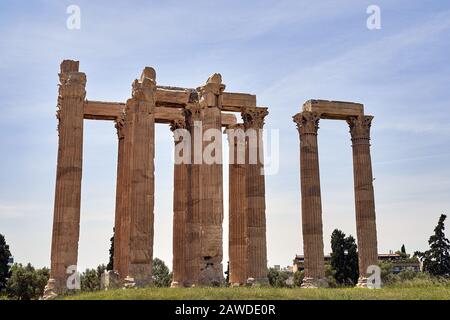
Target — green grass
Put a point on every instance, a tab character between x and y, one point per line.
424	292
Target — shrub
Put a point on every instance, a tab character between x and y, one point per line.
27	283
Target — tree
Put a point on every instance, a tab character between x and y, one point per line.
227	274
161	274
344	258
402	252
27	283
5	254
278	278
91	278
110	265
298	278
436	260
403	249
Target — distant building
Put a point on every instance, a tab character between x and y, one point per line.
288	269
399	263
10	261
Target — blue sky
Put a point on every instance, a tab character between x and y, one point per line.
285	52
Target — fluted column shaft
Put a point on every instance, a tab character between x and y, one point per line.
180	212
193	218
255	194
141	120
120	237
364	195
308	124
238	229
206	194
66	218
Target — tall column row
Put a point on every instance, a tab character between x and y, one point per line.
198	192
307	125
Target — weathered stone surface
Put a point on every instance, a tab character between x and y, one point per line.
140	108
364	195
198	189
120	236
207	186
180	213
66	218
238	227
255	193
307	125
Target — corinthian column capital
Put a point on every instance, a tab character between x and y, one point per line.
120	124
177	124
307	122
192	112
254	117
360	127
72	85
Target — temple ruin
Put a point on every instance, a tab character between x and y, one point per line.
198	187
308	124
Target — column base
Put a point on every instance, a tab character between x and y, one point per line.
140	274
211	276
257	282
129	283
51	290
313	283
363	283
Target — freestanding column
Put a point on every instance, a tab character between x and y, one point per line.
193	116
238	231
141	119
120	238
180	210
211	190
206	194
307	125
364	196
255	193
66	217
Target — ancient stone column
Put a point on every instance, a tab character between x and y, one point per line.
120	239
180	207
193	260
307	125
364	196
207	181
140	118
66	217
256	195
238	230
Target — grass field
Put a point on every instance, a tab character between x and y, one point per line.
266	293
